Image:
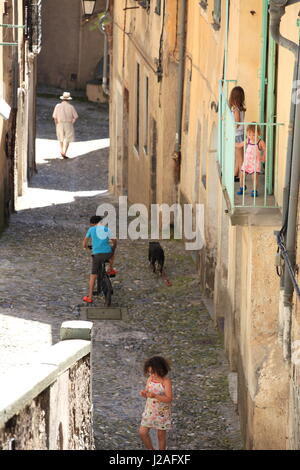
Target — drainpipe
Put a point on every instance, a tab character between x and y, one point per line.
105	54
293	202
277	11
291	233
181	34
292	179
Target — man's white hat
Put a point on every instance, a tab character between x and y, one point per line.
66	96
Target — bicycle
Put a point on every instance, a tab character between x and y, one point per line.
104	284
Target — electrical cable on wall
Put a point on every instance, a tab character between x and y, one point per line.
285	256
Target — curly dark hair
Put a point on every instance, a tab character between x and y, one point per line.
158	364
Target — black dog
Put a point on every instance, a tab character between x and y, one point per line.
156	255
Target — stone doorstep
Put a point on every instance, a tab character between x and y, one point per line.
76	330
103	313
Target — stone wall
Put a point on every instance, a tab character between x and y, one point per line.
27	430
81	431
49	405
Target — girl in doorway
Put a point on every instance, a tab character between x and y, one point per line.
255	154
237	106
158	391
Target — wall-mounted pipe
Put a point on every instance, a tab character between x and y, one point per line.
292	179
182	38
291	233
181	34
277	11
105	86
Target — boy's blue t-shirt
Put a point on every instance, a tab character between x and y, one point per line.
100	236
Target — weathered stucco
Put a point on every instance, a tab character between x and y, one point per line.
28	430
74	64
80	405
236	265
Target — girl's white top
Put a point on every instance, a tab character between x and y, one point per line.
239	129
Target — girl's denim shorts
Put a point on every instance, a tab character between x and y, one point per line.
239	139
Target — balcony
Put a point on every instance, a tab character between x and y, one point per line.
264	178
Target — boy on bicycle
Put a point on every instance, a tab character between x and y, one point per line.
103	248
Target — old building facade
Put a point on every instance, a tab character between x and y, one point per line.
241	284
143	105
20	44
174	66
72	45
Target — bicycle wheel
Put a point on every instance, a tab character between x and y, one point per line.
107	290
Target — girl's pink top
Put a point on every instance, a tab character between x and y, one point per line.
252	158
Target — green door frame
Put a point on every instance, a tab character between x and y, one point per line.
271	112
263	61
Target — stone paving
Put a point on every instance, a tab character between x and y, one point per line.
44	275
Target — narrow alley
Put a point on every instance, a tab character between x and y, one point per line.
44	274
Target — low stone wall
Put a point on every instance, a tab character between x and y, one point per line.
48	406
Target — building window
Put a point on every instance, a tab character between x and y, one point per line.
216	15
146	116
158	7
137	109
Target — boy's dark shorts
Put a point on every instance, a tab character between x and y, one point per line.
97	260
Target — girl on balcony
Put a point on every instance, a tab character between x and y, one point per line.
237	106
254	155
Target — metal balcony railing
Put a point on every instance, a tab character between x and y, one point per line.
260	160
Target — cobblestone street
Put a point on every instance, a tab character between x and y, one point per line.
44	274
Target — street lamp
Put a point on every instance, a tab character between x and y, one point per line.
88	7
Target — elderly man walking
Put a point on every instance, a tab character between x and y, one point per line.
65	116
